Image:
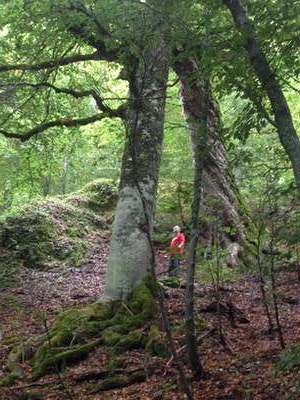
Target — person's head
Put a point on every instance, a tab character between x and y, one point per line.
176	229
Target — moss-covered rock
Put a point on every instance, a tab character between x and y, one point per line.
55	231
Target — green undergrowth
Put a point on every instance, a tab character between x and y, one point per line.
56	231
118	325
208	271
289	360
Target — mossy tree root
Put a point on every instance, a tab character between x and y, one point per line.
114	324
120	381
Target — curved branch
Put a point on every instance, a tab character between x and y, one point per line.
67	122
50	63
72	92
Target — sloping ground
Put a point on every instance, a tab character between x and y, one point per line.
240	370
55	232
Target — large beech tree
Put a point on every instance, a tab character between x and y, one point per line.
130	257
44	38
219	187
145	65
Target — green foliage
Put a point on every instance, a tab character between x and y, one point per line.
212	271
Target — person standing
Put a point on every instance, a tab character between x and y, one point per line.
176	249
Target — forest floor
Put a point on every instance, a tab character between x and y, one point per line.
239	368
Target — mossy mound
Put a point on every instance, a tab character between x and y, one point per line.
54	231
98	196
79	330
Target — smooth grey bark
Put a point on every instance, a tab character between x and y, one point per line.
130	253
221	195
283	119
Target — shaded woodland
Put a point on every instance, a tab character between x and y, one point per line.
121	119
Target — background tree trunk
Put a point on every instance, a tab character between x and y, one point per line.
130	253
220	191
283	119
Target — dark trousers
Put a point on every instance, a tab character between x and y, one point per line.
174	265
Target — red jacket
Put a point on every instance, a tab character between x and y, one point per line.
179	239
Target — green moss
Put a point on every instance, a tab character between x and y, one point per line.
76	324
57	231
119	381
170	281
111	337
99	195
134	340
116	362
114	323
201	324
289	360
143	298
155	344
57	357
8	380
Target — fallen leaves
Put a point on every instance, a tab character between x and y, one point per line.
247	373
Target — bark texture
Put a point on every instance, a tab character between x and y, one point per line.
130	254
221	195
283	119
199	137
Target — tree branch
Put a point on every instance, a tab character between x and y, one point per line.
50	63
82	29
72	92
67	122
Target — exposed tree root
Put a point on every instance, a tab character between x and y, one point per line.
77	331
120	381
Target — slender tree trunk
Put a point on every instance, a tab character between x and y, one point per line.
197	121
220	191
130	253
46	182
274	288
283	119
262	279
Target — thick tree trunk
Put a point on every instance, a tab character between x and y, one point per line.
283	119
130	253
221	195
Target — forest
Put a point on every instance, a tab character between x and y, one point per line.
149	199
